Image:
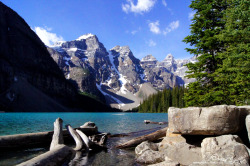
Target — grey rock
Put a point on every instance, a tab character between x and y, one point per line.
158	74
248	126
166	163
224	150
144	146
85	61
177	149
150	157
215	120
244	111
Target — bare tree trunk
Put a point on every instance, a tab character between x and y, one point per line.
150	137
58	134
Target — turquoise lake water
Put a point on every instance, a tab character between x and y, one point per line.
18	123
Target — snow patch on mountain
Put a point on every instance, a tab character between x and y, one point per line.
84	37
120	104
122	79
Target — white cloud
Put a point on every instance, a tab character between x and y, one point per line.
134	32
164	3
151	43
154	27
47	37
141	7
191	15
172	26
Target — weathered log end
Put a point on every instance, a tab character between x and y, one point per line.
77	138
85	139
57	138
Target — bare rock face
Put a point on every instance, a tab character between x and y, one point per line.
24	56
215	120
158	74
223	150
84	61
177	149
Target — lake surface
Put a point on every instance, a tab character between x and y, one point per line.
18	123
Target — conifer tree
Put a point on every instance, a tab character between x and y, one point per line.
206	25
233	74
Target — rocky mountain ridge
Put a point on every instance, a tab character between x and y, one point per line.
30	80
116	74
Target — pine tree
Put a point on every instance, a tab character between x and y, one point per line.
206	25
233	74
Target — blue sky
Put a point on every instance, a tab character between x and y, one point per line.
155	27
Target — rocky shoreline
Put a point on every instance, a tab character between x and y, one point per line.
197	136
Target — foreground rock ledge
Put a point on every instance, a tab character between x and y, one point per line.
215	120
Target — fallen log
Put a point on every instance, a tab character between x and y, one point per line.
55	157
134	133
30	140
151	122
150	137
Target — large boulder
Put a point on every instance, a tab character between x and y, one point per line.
215	120
147	153
177	149
167	162
144	146
244	111
223	150
248	126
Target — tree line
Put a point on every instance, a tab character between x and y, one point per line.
161	101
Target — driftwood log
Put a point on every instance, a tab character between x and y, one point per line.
79	142
134	133
150	137
57	138
151	122
31	140
57	156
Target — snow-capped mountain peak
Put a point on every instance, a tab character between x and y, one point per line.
84	37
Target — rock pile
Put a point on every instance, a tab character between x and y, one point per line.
196	136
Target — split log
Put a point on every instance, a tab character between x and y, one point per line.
77	138
150	137
151	122
58	135
85	139
55	157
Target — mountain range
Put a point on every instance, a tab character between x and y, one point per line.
116	76
30	80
